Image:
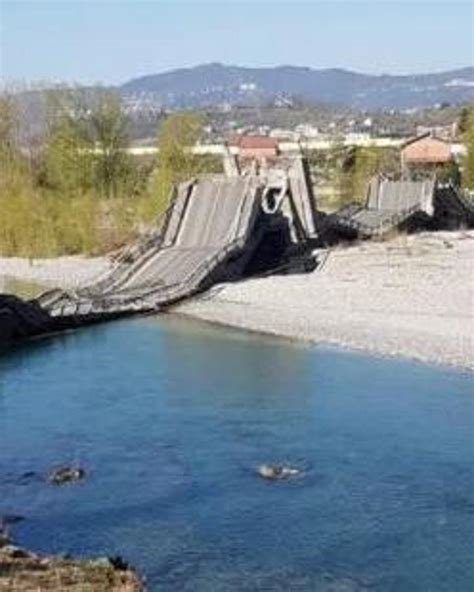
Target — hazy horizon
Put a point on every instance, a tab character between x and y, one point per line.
41	83
111	42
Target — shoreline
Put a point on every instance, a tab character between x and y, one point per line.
22	570
59	272
337	346
411	297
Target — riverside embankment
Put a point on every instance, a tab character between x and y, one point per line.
412	296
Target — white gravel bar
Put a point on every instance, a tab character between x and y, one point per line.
412	297
60	272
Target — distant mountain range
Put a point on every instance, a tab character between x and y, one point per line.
210	85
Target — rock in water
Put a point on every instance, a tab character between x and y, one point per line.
274	472
66	474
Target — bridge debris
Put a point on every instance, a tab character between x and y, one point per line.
405	205
220	228
212	232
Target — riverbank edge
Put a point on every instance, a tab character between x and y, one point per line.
22	570
407	298
335	344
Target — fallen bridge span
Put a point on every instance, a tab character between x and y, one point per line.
214	230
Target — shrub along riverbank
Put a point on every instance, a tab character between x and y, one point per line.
75	189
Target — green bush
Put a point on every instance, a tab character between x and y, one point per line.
83	193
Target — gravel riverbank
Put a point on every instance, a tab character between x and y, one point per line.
63	272
24	571
412	296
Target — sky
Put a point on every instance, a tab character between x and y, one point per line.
106	41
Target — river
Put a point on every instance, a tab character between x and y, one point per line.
170	418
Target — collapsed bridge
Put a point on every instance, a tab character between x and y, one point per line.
217	228
405	205
221	228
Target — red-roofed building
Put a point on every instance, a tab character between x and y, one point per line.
425	151
257	147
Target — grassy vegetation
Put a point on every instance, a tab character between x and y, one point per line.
467	128
80	192
342	173
75	189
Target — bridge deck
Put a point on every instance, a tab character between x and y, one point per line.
391	204
210	221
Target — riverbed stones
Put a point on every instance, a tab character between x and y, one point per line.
14	552
22	570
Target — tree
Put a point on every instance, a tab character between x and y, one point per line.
8	126
86	143
14	167
112	164
449	174
360	165
68	159
176	162
463	121
468	161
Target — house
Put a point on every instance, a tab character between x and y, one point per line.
257	147
426	152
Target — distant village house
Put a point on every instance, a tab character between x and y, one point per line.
425	153
256	147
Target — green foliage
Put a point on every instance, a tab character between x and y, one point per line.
68	159
8	128
360	165
342	173
176	162
463	121
449	173
87	195
112	165
468	161
57	209
86	145
13	166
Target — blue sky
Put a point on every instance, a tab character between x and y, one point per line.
111	42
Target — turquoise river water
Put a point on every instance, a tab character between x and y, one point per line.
170	418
